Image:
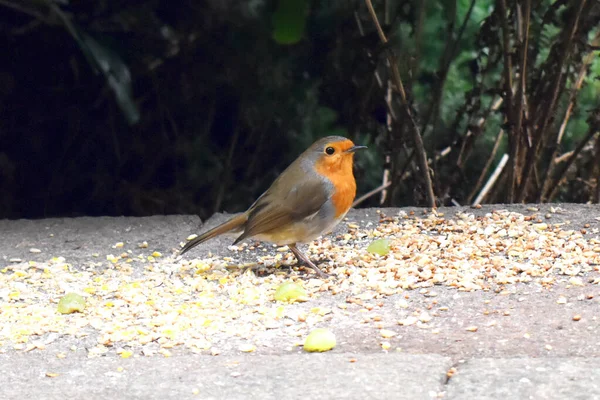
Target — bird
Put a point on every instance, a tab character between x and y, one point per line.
308	199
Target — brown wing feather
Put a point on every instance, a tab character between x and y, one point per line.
230	225
299	202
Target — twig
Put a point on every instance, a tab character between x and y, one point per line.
407	163
455	203
371	193
523	25
227	168
391	59
462	158
558	182
389	117
490	183
548	109
563	126
442	72
445	61
418	141
564	157
596	172
508	88
406	174
488	164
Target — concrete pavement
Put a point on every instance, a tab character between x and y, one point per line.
519	342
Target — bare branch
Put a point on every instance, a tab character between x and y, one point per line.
560	180
517	128
563	126
508	88
549	108
490	183
419	147
488	164
371	193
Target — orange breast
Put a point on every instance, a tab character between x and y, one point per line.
345	191
341	176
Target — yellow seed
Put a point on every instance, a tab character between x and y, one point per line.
386	333
126	353
575	281
247	348
165	352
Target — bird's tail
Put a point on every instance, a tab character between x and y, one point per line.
230	225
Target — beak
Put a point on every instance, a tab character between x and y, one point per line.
354	148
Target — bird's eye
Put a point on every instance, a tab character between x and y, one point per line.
330	150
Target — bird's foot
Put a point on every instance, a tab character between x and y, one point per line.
312	266
302	259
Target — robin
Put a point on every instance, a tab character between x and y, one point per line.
307	200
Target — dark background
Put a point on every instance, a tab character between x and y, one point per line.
161	107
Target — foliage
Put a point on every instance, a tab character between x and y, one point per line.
145	107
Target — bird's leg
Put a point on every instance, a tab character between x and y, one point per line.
303	259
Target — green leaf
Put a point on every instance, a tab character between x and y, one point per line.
379	246
117	75
103	59
289	21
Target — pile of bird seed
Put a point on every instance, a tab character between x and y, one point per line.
152	305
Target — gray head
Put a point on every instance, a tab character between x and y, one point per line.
328	150
329	145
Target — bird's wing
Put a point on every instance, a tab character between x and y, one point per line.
301	201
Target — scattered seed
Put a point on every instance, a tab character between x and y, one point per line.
575	281
408	321
425	317
194	302
386	333
247	348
